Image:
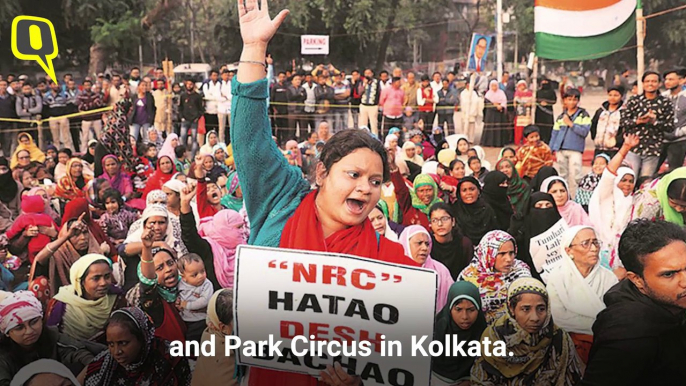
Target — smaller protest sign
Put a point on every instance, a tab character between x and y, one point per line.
545	249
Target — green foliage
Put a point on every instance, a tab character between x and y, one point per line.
124	34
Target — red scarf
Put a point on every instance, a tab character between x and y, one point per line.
299	233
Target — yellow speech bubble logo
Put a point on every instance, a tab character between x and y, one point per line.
33	38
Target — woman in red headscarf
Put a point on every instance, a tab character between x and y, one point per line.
164	172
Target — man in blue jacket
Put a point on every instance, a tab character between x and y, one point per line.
569	138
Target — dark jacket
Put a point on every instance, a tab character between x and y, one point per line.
191	108
322	94
278	96
447	101
149	108
55	103
296	99
8	108
637	341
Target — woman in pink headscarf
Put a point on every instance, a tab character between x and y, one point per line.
168	147
118	179
416	241
293	153
216	238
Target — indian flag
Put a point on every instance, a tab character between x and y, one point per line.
582	29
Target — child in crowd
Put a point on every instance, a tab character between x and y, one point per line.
534	155
569	138
590	181
150	155
477	171
195	291
183	159
32	208
117	220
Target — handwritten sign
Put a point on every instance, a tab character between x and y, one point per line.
545	249
314	44
313	298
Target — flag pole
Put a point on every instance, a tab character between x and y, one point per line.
640	37
535	90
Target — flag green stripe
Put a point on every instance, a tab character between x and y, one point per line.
574	48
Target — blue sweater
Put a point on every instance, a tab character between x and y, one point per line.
571	138
272	189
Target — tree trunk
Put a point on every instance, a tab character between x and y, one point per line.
386	39
98	60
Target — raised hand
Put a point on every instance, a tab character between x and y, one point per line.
631	140
147	237
78	226
188	192
257	28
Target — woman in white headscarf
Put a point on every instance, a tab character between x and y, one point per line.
577	286
611	203
45	371
410	153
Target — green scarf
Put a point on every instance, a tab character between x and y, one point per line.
424	180
670	214
518	191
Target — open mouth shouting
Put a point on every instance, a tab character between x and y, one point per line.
355	206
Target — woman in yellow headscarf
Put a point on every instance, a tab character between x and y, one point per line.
26	143
82	308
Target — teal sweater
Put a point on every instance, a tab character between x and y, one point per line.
272	189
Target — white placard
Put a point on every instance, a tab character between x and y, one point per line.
314	44
545	249
288	293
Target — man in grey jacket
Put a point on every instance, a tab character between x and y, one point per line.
29	106
674	147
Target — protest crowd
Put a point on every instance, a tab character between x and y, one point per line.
119	234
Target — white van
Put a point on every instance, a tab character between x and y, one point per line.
198	72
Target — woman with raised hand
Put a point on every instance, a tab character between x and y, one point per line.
283	211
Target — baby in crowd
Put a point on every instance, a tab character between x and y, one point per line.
195	291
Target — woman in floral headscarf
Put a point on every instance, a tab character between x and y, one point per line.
147	363
492	269
20	311
71	185
540	355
